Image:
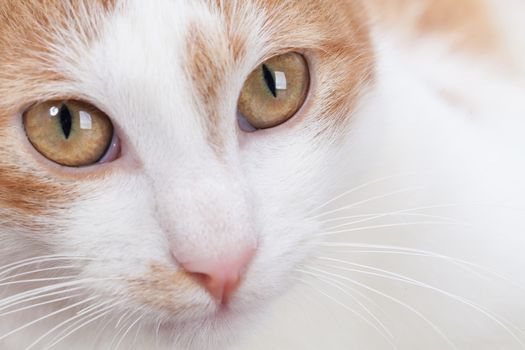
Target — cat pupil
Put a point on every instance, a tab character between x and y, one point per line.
270	81
65	121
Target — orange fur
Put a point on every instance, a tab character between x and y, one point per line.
26	29
335	38
164	288
467	22
207	64
26	77
342	48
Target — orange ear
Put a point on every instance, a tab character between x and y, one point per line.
467	22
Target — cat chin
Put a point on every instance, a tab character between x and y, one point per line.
217	331
212	327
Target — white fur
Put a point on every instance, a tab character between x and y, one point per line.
462	161
459	161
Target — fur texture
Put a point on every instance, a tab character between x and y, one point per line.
388	211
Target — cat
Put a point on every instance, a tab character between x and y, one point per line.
254	174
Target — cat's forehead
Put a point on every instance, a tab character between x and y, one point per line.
211	35
174	67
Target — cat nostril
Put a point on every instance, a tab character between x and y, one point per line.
220	277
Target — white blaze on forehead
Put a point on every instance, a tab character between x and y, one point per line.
136	71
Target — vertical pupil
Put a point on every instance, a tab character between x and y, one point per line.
65	121
270	80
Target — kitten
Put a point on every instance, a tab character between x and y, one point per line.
297	174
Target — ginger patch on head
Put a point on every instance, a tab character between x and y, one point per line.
337	37
213	51
30	33
334	38
207	64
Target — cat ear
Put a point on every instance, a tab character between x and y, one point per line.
469	24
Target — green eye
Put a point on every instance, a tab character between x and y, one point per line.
275	91
70	133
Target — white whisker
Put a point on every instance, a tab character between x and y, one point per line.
38	271
32	306
346	307
353	190
94	314
400	211
46	317
21	296
157	332
103	327
126	314
371	199
385	332
368	218
390	249
395	300
39	339
135	339
405	279
122	322
78	328
375	227
38	260
128	330
40	297
37	280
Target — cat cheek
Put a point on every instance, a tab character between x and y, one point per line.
26	190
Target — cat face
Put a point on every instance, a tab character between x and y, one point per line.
195	220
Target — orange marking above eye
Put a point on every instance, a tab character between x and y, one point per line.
336	40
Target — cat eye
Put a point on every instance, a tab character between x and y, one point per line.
70	133
274	92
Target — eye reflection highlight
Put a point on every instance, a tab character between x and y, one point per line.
53	111
86	122
280	81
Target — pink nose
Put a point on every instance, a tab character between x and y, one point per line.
221	277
